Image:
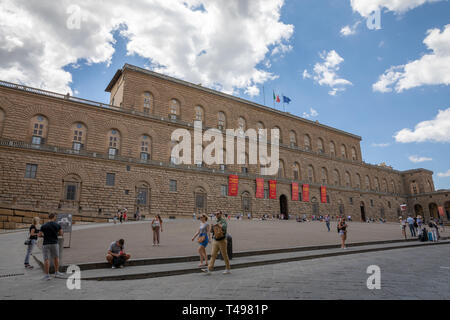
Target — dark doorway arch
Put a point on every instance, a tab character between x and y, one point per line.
315	206
418	210
447	209
200	201
433	210
246	200
363	211
284	207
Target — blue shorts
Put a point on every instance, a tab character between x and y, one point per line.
204	243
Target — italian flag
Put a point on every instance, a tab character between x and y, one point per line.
276	97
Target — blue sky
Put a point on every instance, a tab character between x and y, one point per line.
315	28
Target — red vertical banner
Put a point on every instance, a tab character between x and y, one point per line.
306	192
294	191
441	211
272	189
233	181
323	194
260	188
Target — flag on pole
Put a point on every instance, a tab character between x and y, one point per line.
276	97
286	99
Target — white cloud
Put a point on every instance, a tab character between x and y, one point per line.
417	159
252	91
444	174
312	113
366	7
381	145
221	44
325	73
431	69
436	130
349	30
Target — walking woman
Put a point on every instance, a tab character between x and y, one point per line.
403	226
342	230
157	227
203	240
31	241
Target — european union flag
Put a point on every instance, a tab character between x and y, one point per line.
286	99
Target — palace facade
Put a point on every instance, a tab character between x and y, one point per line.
59	153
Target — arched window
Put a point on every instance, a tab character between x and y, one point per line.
221	121
311	174
293	138
142	195
199	113
354	156
307	142
343	152
336	177
242	124
280	136
39	130
113	140
377	184
78	136
332	149
147	102
320	146
71	187
414	187
2	120
348	180
367	183
324	175
385	185
174	109
145	147
296	171
392	186
280	169
358	181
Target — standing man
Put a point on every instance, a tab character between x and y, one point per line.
50	249
411	226
219	231
327	222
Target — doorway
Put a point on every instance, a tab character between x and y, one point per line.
284	207
363	212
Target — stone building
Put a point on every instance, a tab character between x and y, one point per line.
59	153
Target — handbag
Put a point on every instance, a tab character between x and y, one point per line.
201	239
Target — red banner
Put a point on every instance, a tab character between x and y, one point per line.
306	192
323	194
441	211
260	188
272	189
233	181
294	191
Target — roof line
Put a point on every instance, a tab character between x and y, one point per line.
225	95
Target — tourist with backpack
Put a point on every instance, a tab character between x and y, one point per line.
219	231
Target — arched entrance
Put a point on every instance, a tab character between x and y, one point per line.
315	206
433	210
418	210
142	201
284	207
447	209
363	211
246	203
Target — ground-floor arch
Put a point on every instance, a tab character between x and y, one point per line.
284	207
432	207
418	210
363	211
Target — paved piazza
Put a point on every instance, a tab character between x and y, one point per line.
89	243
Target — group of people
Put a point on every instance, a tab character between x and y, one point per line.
121	215
417	227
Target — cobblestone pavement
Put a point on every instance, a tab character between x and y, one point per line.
416	273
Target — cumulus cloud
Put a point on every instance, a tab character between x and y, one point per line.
312	113
325	73
444	174
436	130
221	44
349	30
417	159
381	145
431	69
366	7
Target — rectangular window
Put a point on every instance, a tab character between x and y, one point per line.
351	200
244	170
328	199
110	179
300	194
76	146
144	156
142	197
30	171
224	190
173	185
266	193
36	140
222	167
112	152
371	202
71	191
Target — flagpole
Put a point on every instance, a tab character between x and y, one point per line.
264	94
284	108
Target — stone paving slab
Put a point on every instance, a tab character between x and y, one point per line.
161	270
90	243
